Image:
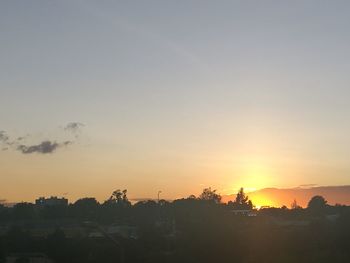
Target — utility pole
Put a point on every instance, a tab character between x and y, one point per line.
159	192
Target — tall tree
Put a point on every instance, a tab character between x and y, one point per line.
295	205
210	195
119	197
242	201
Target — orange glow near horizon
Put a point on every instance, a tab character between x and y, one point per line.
260	201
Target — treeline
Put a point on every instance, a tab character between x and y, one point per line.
118	208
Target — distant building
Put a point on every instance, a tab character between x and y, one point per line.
52	201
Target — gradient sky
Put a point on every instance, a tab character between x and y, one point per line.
174	96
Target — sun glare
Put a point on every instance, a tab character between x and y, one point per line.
261	202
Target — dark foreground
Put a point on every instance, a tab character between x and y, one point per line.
187	230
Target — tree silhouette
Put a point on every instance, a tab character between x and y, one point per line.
24	211
210	195
317	204
242	201
295	205
119	197
85	208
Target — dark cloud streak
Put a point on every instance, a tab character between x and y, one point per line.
44	147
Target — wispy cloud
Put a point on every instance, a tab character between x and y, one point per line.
307	185
74	127
4	137
4	141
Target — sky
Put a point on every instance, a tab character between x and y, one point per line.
172	96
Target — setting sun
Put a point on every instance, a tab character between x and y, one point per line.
175	131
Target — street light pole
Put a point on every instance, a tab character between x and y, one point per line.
159	192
